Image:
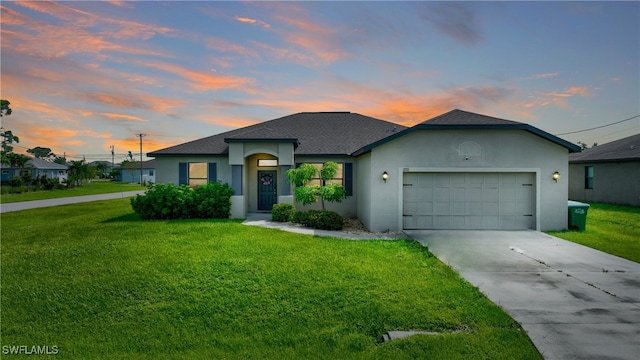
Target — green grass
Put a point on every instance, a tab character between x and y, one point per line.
97	282
613	229
93	188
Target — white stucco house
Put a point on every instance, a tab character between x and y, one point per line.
459	170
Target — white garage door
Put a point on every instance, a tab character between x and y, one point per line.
496	201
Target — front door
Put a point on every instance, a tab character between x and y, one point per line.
267	190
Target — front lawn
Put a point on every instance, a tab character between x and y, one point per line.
93	188
97	282
613	229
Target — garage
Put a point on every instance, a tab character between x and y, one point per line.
472	200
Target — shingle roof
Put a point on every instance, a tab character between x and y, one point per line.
626	149
46	165
314	133
465	118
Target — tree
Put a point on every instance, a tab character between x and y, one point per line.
585	146
325	191
78	171
7	150
42	152
4	107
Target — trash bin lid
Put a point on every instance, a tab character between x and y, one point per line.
571	204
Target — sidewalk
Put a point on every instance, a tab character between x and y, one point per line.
25	205
264	220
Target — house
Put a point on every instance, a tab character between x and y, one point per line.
38	168
130	172
459	170
608	173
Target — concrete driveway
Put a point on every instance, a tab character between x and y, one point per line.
573	301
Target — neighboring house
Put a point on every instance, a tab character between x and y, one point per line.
608	173
38	168
459	170
130	172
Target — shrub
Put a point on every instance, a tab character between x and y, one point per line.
282	212
16	181
165	202
319	219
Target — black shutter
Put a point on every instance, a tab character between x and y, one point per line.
348	178
213	172
182	174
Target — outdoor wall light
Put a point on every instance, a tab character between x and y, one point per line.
555	176
385	176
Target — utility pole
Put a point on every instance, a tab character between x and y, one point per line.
141	135
112	159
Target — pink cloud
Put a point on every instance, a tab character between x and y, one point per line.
203	81
252	21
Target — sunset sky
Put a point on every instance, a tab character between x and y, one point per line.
82	76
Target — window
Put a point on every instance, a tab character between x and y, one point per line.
588	177
344	176
196	173
338	179
5	171
150	172
267	162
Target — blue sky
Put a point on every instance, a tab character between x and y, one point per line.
84	75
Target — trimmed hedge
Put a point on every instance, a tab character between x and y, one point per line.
319	219
168	202
282	212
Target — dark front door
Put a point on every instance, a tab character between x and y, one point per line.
267	190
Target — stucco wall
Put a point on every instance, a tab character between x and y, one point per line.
476	150
363	188
615	183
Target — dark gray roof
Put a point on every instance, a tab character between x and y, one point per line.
464	120
626	149
314	133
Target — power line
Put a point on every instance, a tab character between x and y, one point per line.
599	127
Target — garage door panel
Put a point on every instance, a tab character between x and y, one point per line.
442	194
490	194
458	194
473	194
425	208
458	208
490	222
489	208
469	201
491	179
441	222
425	194
441	208
473	208
473	222
508	208
409	208
507	194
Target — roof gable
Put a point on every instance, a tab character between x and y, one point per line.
626	149
464	120
314	133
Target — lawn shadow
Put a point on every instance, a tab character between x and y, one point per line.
131	217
